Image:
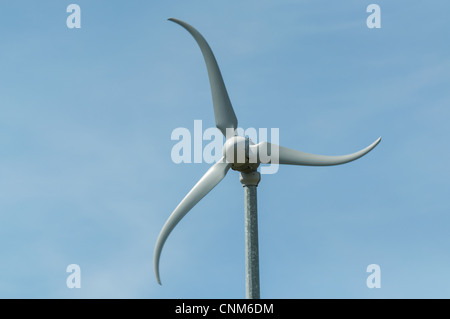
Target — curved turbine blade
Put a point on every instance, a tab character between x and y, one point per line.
223	110
211	178
267	152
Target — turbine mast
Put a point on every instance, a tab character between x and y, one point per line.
250	181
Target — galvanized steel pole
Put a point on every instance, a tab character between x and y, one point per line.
250	182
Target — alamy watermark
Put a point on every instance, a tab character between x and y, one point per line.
74	18
374	19
206	145
374	279
74	279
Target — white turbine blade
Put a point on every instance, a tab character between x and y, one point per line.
223	110
211	178
294	157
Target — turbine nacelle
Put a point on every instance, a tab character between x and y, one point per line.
237	152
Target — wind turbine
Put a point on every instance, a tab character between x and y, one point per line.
242	155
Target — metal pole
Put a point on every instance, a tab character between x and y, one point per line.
250	182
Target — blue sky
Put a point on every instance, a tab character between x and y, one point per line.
86	175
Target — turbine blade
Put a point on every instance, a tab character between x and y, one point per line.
223	110
294	157
211	178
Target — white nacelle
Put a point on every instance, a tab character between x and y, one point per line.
236	150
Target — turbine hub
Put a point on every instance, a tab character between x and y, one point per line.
236	151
